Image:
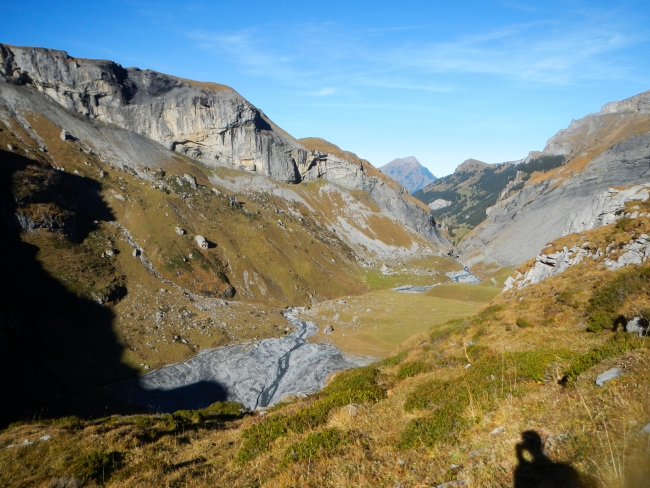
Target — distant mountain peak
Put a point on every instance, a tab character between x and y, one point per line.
409	173
470	165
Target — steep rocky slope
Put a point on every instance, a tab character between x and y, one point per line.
608	149
409	173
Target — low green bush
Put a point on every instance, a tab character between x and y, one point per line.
567	297
96	465
223	410
449	328
523	323
352	386
258	438
533	365
406	370
488	313
393	360
315	445
622	224
616	346
489	378
603	307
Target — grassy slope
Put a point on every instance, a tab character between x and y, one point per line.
375	324
414	415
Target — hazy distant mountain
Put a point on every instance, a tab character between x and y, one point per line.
409	173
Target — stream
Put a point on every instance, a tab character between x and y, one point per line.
256	374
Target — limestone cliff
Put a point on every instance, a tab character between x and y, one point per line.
207	122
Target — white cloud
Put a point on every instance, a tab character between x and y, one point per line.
321	56
323	92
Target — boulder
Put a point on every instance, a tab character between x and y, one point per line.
179	231
638	325
66	136
202	242
328	329
191	180
608	375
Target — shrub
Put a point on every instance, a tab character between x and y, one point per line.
567	297
352	386
414	368
599	321
72	422
617	345
97	465
488	313
604	305
225	410
451	327
523	323
315	445
187	417
479	386
622	224
533	365
393	360
258	438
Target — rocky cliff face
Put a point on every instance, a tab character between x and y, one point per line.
409	173
207	122
603	150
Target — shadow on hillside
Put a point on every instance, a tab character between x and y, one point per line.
53	343
194	396
58	351
536	470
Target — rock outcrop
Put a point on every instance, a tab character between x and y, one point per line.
207	122
605	209
636	251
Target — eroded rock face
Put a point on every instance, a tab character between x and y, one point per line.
570	142
605	209
205	121
209	122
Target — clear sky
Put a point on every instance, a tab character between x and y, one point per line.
442	81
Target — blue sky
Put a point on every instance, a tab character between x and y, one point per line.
440	81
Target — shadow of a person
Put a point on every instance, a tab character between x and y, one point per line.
536	470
